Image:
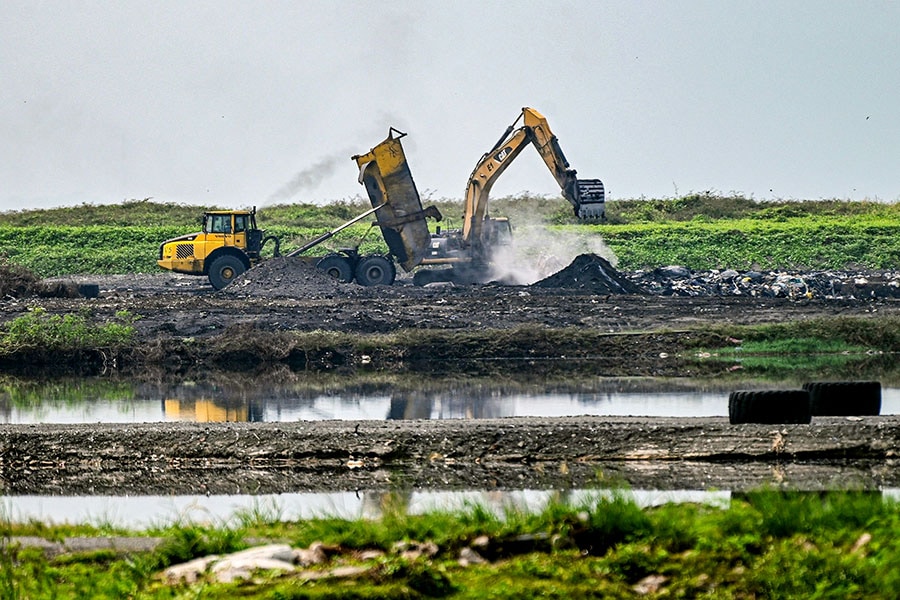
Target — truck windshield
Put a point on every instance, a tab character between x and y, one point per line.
219	224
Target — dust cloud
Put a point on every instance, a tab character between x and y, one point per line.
537	252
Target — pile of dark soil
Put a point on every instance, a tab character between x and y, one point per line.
286	277
591	273
16	281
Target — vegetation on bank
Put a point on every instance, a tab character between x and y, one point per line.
700	231
844	345
763	544
37	330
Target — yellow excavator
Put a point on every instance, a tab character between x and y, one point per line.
469	250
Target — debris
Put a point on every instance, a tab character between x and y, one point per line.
798	285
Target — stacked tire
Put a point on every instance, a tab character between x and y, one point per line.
819	399
769	407
844	398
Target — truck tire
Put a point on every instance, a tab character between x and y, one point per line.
375	270
337	266
224	270
769	407
844	398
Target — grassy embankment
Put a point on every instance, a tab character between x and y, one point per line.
762	545
699	231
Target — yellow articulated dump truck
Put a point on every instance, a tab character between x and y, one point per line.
229	244
230	241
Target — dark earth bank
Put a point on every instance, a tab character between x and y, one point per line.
183	324
514	453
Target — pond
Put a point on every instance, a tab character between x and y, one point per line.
103	400
230	398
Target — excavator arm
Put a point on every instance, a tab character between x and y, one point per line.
586	196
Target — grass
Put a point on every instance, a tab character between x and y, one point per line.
763	544
700	231
39	331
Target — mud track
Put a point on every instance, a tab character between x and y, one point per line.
515	453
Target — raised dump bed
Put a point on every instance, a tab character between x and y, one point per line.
385	174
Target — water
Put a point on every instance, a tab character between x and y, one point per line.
144	512
125	401
262	399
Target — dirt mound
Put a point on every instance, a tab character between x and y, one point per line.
18	282
286	277
591	273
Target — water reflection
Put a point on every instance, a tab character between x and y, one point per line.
106	400
143	512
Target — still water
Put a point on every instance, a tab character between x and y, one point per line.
143	512
104	400
125	401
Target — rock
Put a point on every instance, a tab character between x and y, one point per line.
238	565
674	272
314	555
468	556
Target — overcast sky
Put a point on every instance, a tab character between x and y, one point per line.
252	103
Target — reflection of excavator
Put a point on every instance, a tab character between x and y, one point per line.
469	250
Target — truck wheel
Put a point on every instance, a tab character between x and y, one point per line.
224	270
375	270
337	266
844	398
769	407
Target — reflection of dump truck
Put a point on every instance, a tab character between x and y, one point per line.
206	410
469	250
230	242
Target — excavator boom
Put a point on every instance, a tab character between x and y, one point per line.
587	196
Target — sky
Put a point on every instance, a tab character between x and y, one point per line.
252	103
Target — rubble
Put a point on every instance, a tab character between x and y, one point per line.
298	277
680	281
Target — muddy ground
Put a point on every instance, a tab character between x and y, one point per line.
514	454
288	296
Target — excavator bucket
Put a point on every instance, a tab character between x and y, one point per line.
388	181
591	205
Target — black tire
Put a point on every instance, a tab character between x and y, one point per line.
224	270
844	398
89	290
424	277
337	266
769	407
375	270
